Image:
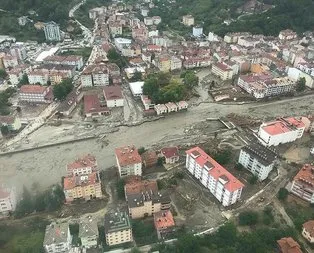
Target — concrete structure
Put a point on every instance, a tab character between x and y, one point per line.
308	231
95	75
197	31
257	159
303	183
57	238
222	70
149	159
188	20
88	232
144	199
136	88
52	31
18	50
129	161
68	105
164	223
171	107
95	106
281	131
287	35
83	165
117	228
113	96
7	200
288	245
176	63
70	60
220	182
120	43
10	61
13	122
170	154
182	105
160	109
35	93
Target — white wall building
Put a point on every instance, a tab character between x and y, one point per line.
113	96
34	93
136	88
7	200
222	70
88	232
257	159
197	31
57	238
52	31
129	161
281	131
221	183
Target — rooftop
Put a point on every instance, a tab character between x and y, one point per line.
82	180
116	222
127	155
88	227
92	104
306	177
56	233
264	155
309	227
83	162
7	120
113	92
282	125
288	245
170	152
163	219
33	89
222	66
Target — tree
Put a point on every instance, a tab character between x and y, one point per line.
253	179
283	194
248	218
61	90
188	243
3	73
239	166
5	130
120	188
141	150
223	156
114	57
135	250
137	76
24	80
190	79
301	84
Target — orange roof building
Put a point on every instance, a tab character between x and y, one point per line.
129	161
308	231
220	182
164	223
288	245
83	165
303	183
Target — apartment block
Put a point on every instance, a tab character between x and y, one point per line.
282	130
188	20
288	245
52	31
95	75
81	166
118	228
129	161
57	238
35	94
113	96
221	183
164	223
303	183
7	200
88	232
222	70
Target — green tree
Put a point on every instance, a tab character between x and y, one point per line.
223	157
141	150
190	79
187	244
253	179
3	73
24	80
283	194
301	84
248	218
5	130
61	90
120	188
135	250
137	76
114	57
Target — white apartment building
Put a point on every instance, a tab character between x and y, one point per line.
176	63
95	75
257	159
222	70
188	20
52	31
15	76
303	183
281	131
129	161
88	232
113	96
100	77
86	80
18	50
7	200
82	166
57	238
36	77
10	61
34	93
220	182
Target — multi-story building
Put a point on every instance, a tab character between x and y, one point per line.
164	223
70	60
144	199
82	166
13	122
88	232
170	154
7	200
18	50
35	94
308	231
220	182
95	75
282	130
38	77
303	183
197	31
222	70
258	159
118	228
57	238
115	28
129	161
52	31
287	35
10	61
113	96
163	62
176	63
188	20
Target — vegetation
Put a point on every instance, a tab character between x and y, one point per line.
301	84
136	77
5	130
283	194
114	57
189	79
61	90
268	216
24	80
144	232
253	179
248	218
3	74
120	188
141	150
4	101
84	52
299	214
223	157
239	166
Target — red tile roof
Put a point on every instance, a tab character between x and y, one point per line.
83	162
216	170
288	245
7	119
306	176
309	227
163	220
113	92
33	89
282	126
128	155
170	152
93	105
222	66
82	180
138	186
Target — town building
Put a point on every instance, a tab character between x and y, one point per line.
70	60
160	109
288	245
163	62
83	165
176	63
7	200
308	231
164	223
88	232
13	122
149	158
129	161
287	35
282	130
18	50
113	96
118	228
68	105
136	88
38	77
303	183
95	106
182	105
35	94
221	183
222	70
171	107
258	159
23	20
57	238
10	61
52	31
197	31
170	154
188	20
95	75
144	199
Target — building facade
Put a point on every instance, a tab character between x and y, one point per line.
7	200
129	161
88	232
113	96
34	93
57	238
308	231
222	70
221	183
52	31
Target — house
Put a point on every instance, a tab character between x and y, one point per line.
163	62
258	159
197	31
170	154
288	245
308	231
118	228
9	61
57	238
221	183
283	130
303	183
182	105
129	161
93	107
287	35
35	94
176	63
188	20
149	159
38	77
131	71
13	122
52	31
113	96
147	102
144	199
95	75
88	232
7	200
222	70
69	104
136	88
164	223
160	109
171	107
83	165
